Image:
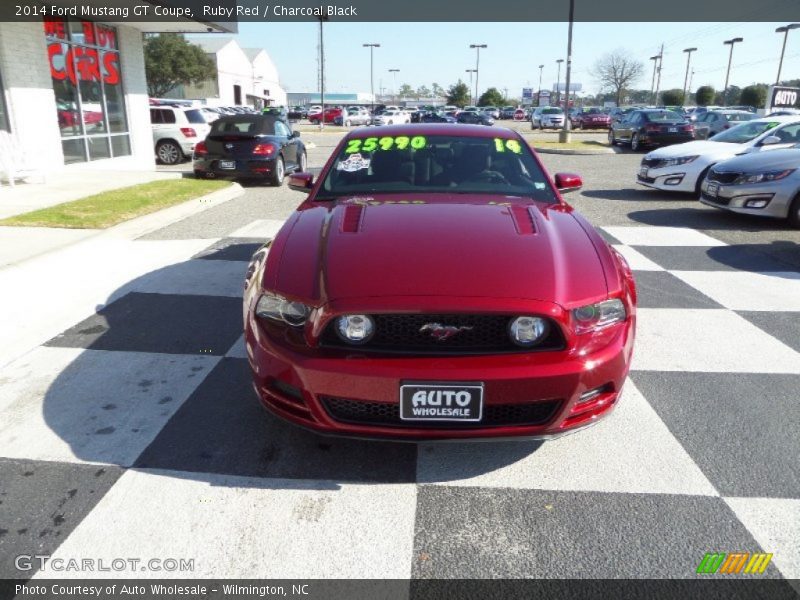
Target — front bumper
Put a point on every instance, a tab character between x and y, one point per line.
676	178
749	199
313	390
243	168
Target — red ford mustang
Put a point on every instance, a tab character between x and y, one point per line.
435	285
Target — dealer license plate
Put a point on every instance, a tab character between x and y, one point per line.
422	401
227	164
712	190
673	130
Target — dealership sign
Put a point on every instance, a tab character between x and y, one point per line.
780	96
79	62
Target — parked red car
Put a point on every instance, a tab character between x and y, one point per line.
330	115
434	284
591	118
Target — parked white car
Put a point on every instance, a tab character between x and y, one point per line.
392	117
682	167
547	116
176	131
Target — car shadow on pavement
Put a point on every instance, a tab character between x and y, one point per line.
701	217
633	195
158	379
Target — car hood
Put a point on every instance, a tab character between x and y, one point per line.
457	246
702	148
762	161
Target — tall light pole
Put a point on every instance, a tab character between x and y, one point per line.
558	82
785	31
394	73
371	75
658	81
730	43
477	66
686	78
539	96
564	135
471	71
322	73
653	83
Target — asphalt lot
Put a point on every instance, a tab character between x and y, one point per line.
135	433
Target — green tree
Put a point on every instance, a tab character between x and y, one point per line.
704	95
672	97
406	91
437	90
458	94
491	97
423	92
731	96
170	61
754	95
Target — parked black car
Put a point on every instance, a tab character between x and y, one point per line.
474	118
651	127
296	113
261	147
436	117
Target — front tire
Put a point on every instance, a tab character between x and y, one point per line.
302	163
700	179
169	152
278	172
612	141
794	213
635	143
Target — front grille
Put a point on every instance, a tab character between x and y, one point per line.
717	199
722	177
388	415
482	334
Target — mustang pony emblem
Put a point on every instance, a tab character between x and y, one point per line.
443	332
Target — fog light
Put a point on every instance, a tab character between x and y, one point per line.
673	180
527	331
756	203
355	329
593	393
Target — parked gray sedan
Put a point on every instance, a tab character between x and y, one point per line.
765	184
713	121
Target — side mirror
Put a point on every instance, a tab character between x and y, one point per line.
301	182
568	182
295	134
770	140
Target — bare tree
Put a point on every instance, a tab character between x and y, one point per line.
617	71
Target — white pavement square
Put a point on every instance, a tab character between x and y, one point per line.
739	290
92	406
636	260
662	236
250	528
194	278
707	340
631	451
261	228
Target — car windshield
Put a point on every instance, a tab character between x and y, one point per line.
195	115
245	125
552	111
663	115
745	132
741	117
436	164
593	111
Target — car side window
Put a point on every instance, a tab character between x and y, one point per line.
281	129
168	116
155	116
788	134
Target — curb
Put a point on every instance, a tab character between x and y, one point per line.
571	151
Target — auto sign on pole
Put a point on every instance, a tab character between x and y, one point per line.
780	96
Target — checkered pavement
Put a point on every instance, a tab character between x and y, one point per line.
135	433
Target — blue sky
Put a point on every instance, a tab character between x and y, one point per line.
439	52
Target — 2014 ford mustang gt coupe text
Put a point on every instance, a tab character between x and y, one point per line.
433	285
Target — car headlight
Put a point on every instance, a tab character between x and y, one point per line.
528	331
765	176
598	316
680	160
277	308
355	329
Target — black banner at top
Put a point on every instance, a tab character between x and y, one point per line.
266	11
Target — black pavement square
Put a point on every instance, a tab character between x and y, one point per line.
470	532
41	503
712	258
241	249
740	428
222	428
661	289
166	323
784	326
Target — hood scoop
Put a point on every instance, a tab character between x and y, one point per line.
352	217
523	219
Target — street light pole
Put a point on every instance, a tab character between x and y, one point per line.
653	83
394	73
558	82
564	135
785	31
371	76
658	81
730	43
321	74
477	66
686	77
471	71
539	96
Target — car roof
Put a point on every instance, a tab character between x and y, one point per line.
435	129
780	119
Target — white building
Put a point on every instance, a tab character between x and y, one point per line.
245	76
73	92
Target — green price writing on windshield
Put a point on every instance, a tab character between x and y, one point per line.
512	145
401	142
